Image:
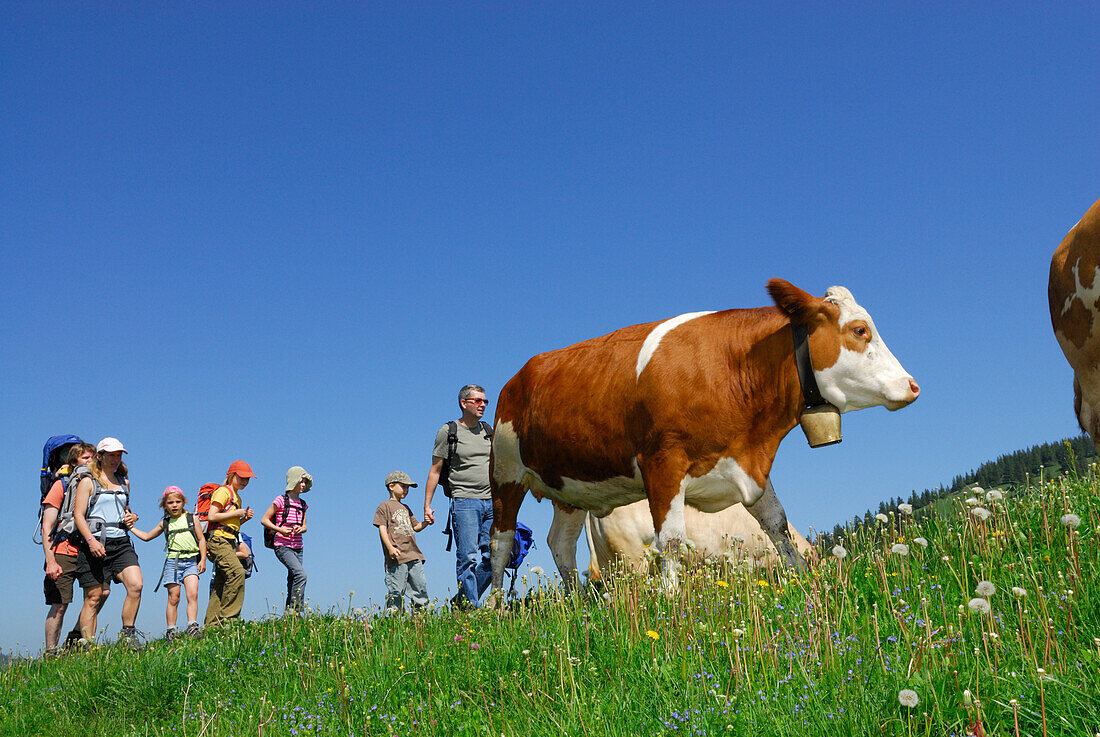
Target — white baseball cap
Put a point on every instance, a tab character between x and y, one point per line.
109	445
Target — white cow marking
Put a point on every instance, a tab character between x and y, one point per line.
654	338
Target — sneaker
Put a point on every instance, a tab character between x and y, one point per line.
193	630
130	638
170	634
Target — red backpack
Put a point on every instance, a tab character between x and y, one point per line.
202	508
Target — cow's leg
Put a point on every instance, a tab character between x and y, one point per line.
773	520
506	500
565	530
665	480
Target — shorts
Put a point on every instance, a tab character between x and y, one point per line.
61	590
92	571
177	569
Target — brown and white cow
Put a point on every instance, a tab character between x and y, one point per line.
1074	294
627	533
686	411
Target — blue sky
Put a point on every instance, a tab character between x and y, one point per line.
289	232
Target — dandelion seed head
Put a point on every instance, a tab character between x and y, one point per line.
981	513
839	552
1071	520
905	508
900	549
921	541
908	698
994	495
985	588
882	517
979	605
1019	592
972	501
536	570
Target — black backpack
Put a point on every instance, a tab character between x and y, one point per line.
452	447
269	534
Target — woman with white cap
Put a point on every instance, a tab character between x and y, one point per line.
101	511
286	536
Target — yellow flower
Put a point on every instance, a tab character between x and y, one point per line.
723	584
762	583
652	635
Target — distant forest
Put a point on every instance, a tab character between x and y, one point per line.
1009	472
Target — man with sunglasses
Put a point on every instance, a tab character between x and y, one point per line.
461	456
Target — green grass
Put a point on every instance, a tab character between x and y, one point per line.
735	650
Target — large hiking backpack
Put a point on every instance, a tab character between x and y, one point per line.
66	516
452	448
54	453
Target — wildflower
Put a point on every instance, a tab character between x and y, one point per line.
977	490
652	635
1018	592
921	541
981	513
738	634
839	552
905	508
994	495
737	539
1070	520
351	593
458	638
526	652
979	605
900	549
536	570
723	584
908	698
972	501
475	646
882	517
985	588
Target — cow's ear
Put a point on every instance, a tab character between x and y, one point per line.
800	305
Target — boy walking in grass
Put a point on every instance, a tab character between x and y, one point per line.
404	561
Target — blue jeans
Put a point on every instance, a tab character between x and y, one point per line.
470	521
295	576
406	579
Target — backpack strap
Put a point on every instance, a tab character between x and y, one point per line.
286	509
488	429
452	441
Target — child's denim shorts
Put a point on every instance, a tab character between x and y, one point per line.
177	569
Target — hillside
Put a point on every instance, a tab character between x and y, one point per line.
974	618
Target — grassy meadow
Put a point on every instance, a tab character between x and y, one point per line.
980	615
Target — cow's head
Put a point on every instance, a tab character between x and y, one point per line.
853	367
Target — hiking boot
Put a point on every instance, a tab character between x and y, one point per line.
193	630
170	634
51	653
130	638
72	640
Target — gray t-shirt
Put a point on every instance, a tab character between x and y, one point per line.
470	465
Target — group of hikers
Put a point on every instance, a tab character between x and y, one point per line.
86	523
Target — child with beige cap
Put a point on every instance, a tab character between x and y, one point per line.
403	559
285	536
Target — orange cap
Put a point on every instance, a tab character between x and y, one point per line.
242	469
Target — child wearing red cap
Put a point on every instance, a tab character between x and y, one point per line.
224	523
185	560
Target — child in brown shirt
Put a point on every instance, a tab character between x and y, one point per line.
404	561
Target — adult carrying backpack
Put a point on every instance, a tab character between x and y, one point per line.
54	453
66	516
452	448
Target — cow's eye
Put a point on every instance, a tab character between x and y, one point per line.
860	332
